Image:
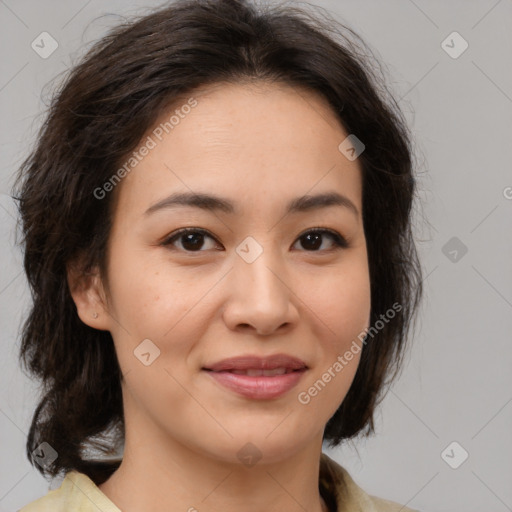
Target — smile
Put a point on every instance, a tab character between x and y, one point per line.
258	384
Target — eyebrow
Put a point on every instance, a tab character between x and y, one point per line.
210	202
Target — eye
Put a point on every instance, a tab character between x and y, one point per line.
313	239
191	239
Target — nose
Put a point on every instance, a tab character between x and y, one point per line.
260	298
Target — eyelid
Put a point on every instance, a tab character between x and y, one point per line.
333	232
339	240
166	241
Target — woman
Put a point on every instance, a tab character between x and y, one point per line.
217	236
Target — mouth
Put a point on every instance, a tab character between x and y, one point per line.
280	363
258	378
258	372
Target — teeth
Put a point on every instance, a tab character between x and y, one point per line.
255	372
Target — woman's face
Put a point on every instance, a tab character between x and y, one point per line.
246	281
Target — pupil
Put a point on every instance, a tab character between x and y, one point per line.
316	237
192	240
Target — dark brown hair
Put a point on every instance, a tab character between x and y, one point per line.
99	115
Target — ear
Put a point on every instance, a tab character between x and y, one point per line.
87	290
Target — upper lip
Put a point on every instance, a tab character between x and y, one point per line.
247	362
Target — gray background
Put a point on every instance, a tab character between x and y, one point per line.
457	384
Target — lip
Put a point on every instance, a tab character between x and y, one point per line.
246	362
258	387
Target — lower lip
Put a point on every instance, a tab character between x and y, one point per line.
259	388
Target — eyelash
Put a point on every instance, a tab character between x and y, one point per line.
339	241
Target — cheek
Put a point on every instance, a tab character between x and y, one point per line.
344	310
139	285
342	303
154	302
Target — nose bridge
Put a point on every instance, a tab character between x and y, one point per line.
260	296
256	267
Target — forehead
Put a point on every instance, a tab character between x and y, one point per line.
253	142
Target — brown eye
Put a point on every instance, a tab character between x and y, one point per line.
191	239
313	239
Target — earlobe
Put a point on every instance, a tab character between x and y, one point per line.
86	289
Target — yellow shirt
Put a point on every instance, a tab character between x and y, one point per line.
78	493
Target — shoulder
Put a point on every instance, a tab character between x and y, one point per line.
350	497
77	493
382	505
51	502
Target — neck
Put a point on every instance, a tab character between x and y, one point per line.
166	475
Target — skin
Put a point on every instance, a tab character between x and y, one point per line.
259	145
